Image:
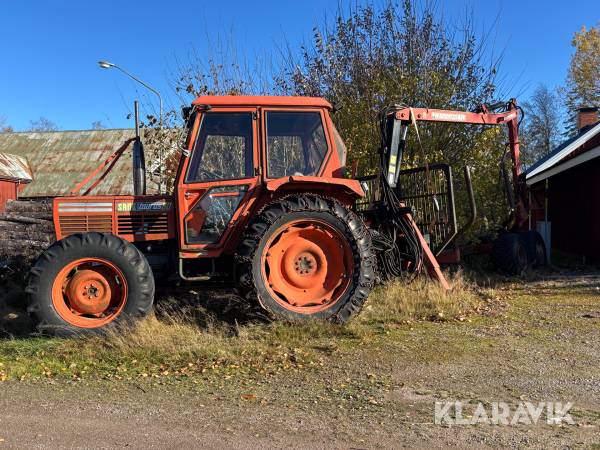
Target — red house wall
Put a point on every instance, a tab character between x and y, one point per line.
573	209
8	191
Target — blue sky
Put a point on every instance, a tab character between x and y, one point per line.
50	48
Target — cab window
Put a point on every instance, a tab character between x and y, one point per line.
223	148
210	217
296	143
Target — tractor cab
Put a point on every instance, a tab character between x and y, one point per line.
243	152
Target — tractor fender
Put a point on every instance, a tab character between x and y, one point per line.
348	186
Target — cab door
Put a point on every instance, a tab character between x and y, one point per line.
218	179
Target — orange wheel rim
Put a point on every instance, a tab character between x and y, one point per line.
307	266
89	292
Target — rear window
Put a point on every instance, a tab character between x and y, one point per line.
340	146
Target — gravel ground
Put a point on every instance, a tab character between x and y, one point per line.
544	346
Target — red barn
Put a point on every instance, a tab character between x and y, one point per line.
565	192
15	173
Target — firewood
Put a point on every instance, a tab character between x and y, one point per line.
18	206
7	225
11	217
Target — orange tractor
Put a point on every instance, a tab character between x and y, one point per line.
260	199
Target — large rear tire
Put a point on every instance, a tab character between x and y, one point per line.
534	247
509	254
87	282
307	257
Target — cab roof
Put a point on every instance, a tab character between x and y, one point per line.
261	100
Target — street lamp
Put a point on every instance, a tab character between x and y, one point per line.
108	65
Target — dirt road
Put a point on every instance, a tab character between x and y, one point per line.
544	347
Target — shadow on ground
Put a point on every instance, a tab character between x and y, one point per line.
201	306
14	320
207	306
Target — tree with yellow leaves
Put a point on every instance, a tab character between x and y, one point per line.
583	79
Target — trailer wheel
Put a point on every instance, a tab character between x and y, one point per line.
88	282
307	257
534	247
509	254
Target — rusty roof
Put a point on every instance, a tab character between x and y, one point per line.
61	159
13	167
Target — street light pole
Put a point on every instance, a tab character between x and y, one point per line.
108	65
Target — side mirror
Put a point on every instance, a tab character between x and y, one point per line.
337	106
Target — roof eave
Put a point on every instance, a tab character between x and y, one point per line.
593	131
566	165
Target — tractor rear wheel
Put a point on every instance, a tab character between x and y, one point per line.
509	254
307	257
87	282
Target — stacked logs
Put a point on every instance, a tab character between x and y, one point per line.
26	229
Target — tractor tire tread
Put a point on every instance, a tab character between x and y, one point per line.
137	271
355	230
535	248
504	254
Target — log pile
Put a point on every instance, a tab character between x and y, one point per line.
26	229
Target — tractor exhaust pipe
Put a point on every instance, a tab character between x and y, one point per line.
139	159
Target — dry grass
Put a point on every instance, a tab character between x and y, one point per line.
178	333
192	342
422	299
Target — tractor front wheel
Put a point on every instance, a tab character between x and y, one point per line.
307	257
88	281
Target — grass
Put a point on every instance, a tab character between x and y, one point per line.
172	345
423	299
380	374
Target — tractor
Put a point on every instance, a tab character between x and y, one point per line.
260	200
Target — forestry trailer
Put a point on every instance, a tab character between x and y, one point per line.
260	200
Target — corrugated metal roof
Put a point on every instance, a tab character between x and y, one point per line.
13	167
61	159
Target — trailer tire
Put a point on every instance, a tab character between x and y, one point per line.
534	247
306	257
87	283
509	254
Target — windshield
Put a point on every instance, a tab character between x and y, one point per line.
223	148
